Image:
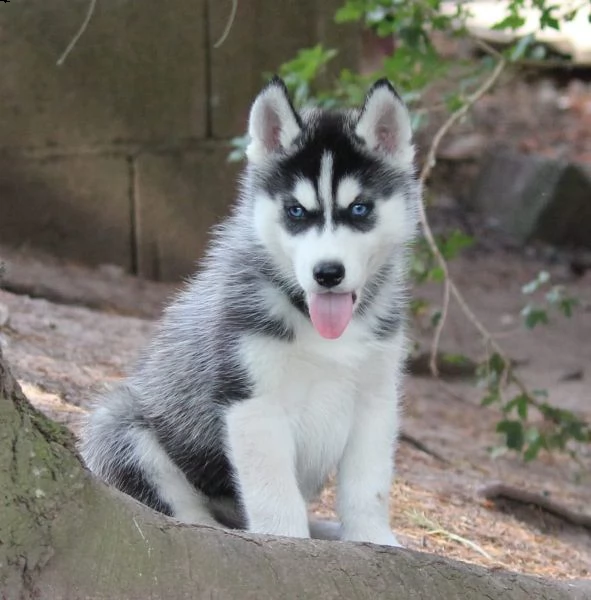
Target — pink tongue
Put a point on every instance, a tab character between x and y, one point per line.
331	313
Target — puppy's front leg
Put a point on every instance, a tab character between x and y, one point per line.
261	449
365	472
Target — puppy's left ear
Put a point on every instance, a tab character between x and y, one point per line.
384	124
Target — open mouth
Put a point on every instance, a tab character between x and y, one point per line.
331	312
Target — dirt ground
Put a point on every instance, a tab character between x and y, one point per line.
64	349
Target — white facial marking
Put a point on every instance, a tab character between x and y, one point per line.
349	188
325	186
305	194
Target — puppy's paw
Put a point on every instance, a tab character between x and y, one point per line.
381	538
387	539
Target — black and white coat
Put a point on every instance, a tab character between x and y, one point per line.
239	410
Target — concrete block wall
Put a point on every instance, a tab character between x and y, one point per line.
119	155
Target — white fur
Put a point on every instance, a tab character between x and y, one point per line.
358	252
187	503
347	192
320	406
238	371
305	194
325	186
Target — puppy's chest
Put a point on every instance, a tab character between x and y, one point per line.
320	398
318	386
321	415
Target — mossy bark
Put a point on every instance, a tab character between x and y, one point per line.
66	536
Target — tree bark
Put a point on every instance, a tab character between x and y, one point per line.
65	536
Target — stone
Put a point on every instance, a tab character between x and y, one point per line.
535	198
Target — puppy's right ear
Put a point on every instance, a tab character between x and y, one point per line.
384	124
273	124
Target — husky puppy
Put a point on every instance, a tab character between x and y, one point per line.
281	360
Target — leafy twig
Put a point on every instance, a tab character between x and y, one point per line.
497	490
504	374
449	286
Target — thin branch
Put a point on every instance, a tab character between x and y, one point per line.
450	289
229	24
498	490
406	438
91	8
430	161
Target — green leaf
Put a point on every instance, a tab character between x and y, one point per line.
456	359
437	274
498	451
533	449
566	305
513	21
521	47
547	20
513	431
496	364
238	145
521	403
350	12
522	406
454	102
418	306
531	287
534	316
451	246
490	399
435	318
532	434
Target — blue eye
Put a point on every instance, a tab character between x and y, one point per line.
360	210
296	211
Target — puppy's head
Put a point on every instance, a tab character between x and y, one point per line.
334	192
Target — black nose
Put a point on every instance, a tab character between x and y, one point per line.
329	274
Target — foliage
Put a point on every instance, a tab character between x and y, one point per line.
416	63
555	298
559	426
529	422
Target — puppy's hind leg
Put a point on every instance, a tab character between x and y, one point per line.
187	504
117	446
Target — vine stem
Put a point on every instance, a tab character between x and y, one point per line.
449	287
